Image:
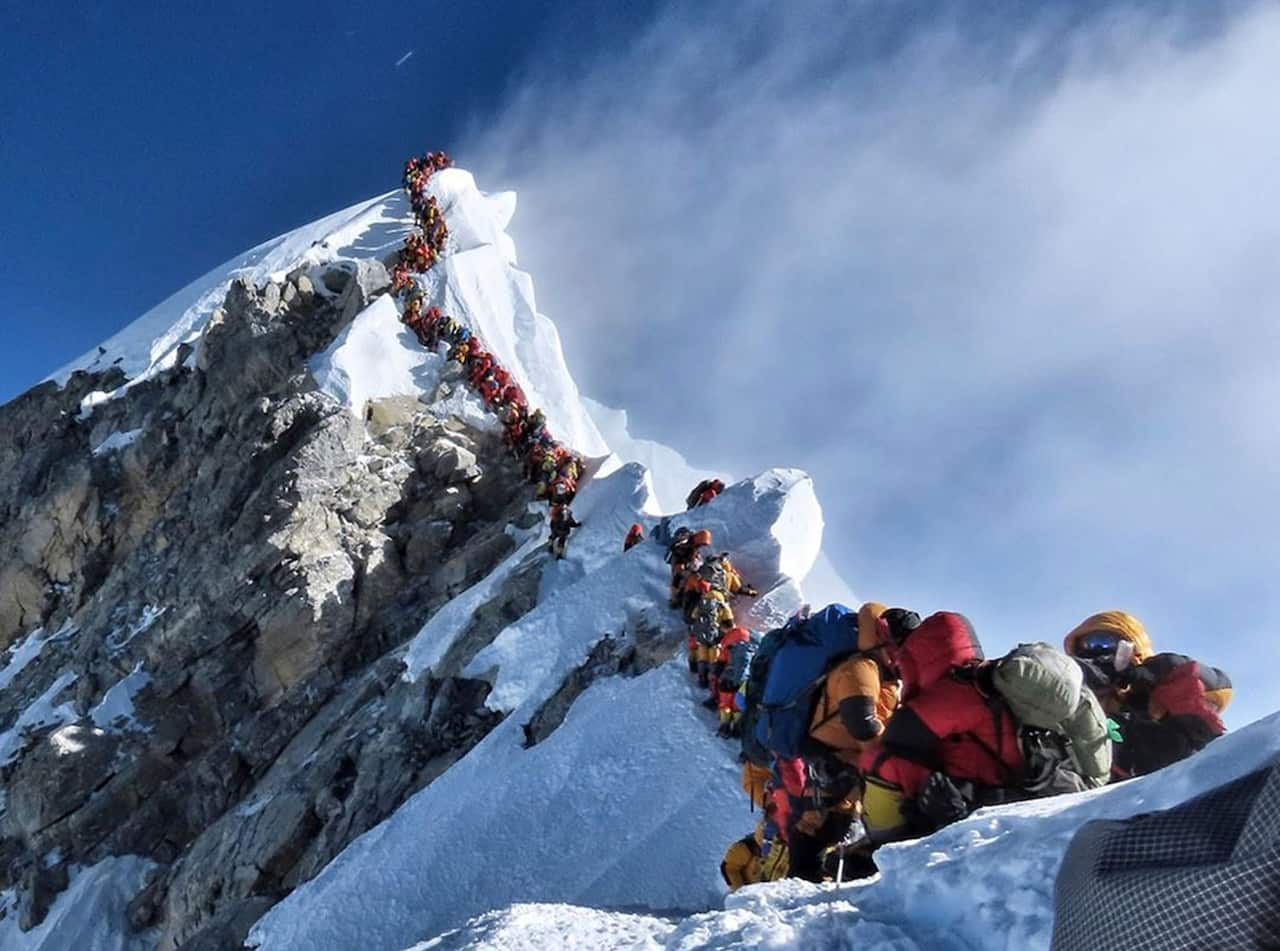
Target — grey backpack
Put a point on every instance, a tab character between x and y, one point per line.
1046	692
706	621
715	571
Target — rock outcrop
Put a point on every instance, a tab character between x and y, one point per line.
205	582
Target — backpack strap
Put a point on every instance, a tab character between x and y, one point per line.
828	715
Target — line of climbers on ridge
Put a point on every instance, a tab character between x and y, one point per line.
860	728
865	727
871	719
551	467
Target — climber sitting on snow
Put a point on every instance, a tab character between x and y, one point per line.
745	861
1165	706
971	732
562	523
703	492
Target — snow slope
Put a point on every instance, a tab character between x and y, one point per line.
150	344
983	883
635	770
626	804
89	916
673	476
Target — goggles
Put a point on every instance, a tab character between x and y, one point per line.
1097	644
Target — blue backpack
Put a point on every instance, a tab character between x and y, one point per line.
796	671
753	691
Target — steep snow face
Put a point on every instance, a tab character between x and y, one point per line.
673	476
983	883
375	357
628	803
91	915
150	344
478	283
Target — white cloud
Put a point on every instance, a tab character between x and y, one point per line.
1012	301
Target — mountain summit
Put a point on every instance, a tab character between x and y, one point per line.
270	578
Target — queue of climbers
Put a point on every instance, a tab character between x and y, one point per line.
858	728
865	727
552	468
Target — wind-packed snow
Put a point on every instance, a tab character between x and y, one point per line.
616	590
91	915
447	624
43	711
673	476
671	473
117	441
150	344
375	357
542	927
626	804
476	219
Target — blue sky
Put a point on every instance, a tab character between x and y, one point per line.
218	126
1000	276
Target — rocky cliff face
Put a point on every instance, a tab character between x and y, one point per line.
204	583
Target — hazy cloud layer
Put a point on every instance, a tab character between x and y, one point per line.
1008	291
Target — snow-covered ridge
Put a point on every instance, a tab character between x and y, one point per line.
150	344
497	790
984	883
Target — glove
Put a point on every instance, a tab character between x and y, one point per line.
941	801
1113	731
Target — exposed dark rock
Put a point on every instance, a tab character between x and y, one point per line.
628	655
244	573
